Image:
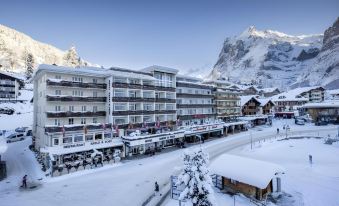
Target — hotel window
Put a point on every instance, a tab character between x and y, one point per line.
132	94
57	92
120	107
57	108
40	94
71	108
89	137
148	107
95	108
132	107
70	121
83	108
78	138
119	93
77	79
83	120
120	80
98	136
67	139
120	121
95	81
77	93
95	120
58	76
95	94
55	141
57	122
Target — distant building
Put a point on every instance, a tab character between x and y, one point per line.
250	90
269	92
227	99
333	94
253	178
266	106
293	100
327	111
9	86
195	101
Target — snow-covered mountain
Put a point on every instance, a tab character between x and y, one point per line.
270	58
16	46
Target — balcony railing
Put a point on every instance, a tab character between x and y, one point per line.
70	128
75	99
75	114
139	86
140	99
194	95
143	112
195	116
195	105
226	98
64	83
197	86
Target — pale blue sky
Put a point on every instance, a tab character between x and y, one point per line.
180	34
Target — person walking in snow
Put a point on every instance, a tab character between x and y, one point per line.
277	130
156	188
24	182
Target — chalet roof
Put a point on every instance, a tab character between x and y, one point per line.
249	171
269	90
263	102
245	99
13	75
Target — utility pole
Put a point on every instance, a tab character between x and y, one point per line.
251	139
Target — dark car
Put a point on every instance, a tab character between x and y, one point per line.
321	123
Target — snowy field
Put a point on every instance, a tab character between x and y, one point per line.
309	185
115	184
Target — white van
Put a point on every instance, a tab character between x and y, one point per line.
15	137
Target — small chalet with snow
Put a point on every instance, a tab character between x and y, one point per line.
250	90
253	178
266	106
327	111
9	86
249	105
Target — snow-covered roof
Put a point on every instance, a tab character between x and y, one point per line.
268	90
333	92
263	102
293	94
160	68
13	75
325	104
245	99
186	78
250	171
93	71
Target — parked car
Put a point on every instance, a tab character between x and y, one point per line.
299	121
29	132
21	129
15	137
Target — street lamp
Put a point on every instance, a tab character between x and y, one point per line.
251	139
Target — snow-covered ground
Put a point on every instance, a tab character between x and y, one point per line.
128	183
309	185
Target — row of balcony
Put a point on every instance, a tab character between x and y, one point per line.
76	99
195	105
196	86
141	99
64	83
75	114
183	95
144	87
195	116
226	98
143	112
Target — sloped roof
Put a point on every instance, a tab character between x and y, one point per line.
160	68
325	104
250	171
245	99
268	90
263	102
292	94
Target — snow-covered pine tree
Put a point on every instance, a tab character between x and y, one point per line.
71	57
29	64
196	179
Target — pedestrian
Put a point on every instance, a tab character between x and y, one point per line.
24	182
310	159
277	130
156	188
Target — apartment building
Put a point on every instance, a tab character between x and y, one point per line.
9	86
227	99
195	101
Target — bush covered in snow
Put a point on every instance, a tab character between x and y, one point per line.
196	179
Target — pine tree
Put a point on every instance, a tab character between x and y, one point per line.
71	57
29	63
196	179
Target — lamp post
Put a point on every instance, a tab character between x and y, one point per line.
251	139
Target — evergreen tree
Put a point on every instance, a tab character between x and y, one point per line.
71	57
196	179
29	63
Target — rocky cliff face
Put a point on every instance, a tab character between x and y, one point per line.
270	58
15	47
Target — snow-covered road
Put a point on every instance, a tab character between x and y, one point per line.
129	183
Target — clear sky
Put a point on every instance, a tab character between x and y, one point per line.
186	35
